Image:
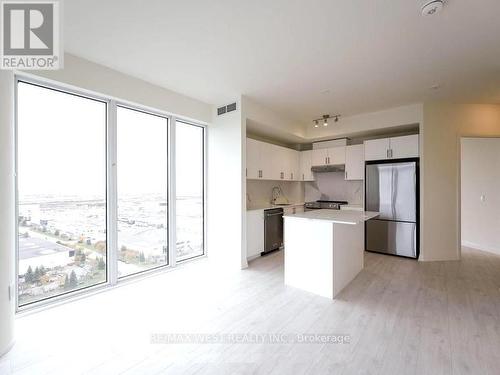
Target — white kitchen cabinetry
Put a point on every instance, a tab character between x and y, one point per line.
355	162
404	147
305	173
255	233
266	161
320	156
253	159
392	148
328	156
377	149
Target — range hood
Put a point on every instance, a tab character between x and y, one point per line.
328	168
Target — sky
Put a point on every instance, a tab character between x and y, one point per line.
62	148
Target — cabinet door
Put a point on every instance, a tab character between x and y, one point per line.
253	159
336	155
269	160
404	147
278	162
355	162
293	172
377	149
319	157
255	233
305	166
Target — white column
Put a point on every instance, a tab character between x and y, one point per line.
7	211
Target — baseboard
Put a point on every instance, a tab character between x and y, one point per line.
249	259
476	246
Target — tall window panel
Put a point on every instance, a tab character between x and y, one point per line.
190	170
142	183
61	165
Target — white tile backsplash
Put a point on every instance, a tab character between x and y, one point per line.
259	192
333	186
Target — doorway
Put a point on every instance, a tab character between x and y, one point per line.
480	198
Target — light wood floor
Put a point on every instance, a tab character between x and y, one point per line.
403	317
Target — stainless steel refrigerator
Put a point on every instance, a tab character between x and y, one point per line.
391	188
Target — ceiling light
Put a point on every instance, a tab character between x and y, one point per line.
325	118
432	7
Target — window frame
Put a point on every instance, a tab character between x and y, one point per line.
114	198
204	193
111	196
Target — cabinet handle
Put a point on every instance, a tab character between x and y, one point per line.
291	176
346	175
391	152
387	153
303	176
246	172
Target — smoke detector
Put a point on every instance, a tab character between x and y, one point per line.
432	7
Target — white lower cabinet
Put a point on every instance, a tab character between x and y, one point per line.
255	233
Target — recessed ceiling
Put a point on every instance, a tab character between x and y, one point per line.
302	58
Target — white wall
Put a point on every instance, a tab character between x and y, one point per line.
226	189
480	177
443	126
7	213
100	79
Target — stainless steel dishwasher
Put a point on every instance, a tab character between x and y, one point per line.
273	230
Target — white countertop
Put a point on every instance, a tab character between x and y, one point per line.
352	207
265	206
335	216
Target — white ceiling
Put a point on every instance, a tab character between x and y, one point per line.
299	57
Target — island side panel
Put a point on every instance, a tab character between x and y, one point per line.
309	255
348	254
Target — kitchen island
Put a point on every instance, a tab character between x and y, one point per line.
324	249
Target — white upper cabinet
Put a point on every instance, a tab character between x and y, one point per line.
305	173
292	171
319	156
392	148
336	155
328	156
404	147
377	149
265	161
354	162
253	159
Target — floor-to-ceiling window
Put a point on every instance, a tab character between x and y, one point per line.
189	158
94	177
142	171
61	166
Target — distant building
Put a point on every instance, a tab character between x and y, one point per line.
35	252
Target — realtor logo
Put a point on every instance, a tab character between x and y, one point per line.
31	35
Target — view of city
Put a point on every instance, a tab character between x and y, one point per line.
62	158
62	241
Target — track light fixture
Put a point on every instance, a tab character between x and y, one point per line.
325	119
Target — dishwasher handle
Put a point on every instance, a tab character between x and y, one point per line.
277	214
